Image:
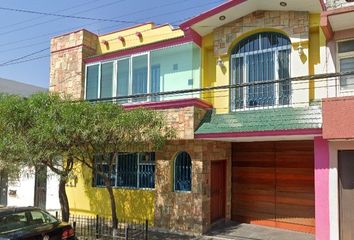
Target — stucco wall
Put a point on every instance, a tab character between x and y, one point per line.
21	191
84	199
338	118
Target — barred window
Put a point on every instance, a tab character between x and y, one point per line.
102	169
131	170
259	58
183	172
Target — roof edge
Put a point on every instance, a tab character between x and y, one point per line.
187	24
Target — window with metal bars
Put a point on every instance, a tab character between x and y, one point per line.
257	59
130	170
102	169
183	172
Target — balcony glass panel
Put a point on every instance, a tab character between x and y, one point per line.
123	69
163	70
107	80
140	76
92	82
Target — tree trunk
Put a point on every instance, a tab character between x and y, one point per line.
63	199
113	207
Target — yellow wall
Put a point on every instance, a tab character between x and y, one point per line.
214	75
314	50
150	34
87	200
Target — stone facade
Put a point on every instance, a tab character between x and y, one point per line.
67	69
294	24
184	120
189	211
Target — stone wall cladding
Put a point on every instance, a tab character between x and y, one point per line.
295	24
188	211
184	120
67	69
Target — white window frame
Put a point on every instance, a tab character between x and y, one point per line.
245	77
341	56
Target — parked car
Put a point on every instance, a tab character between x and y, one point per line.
32	223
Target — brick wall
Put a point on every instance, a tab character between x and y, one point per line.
189	211
67	69
294	24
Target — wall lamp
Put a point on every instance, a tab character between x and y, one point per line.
300	50
220	62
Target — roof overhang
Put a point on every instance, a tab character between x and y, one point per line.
259	136
235	9
337	20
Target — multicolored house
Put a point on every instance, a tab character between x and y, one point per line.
241	84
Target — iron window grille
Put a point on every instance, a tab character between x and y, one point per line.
260	58
131	170
183	172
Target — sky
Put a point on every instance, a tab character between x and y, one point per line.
23	33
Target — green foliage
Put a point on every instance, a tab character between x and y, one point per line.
39	129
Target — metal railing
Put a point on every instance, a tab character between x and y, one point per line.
97	227
289	92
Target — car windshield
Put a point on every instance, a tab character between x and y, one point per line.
18	220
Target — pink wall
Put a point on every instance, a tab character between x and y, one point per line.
322	188
338	118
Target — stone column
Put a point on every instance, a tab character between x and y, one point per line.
67	68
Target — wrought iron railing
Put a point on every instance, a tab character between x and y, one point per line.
97	227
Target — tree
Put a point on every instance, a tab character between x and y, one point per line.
106	129
54	131
33	133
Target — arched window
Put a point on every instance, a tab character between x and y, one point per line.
183	172
256	59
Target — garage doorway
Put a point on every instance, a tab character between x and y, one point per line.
346	194
273	184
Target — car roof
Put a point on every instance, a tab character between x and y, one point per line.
7	210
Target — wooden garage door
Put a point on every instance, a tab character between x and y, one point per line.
273	184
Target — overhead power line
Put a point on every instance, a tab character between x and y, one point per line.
24	61
16	42
18	60
26	27
15	60
67	16
36	18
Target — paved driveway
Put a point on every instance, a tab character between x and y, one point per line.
245	231
237	231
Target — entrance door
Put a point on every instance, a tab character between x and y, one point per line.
40	188
346	194
3	188
218	191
